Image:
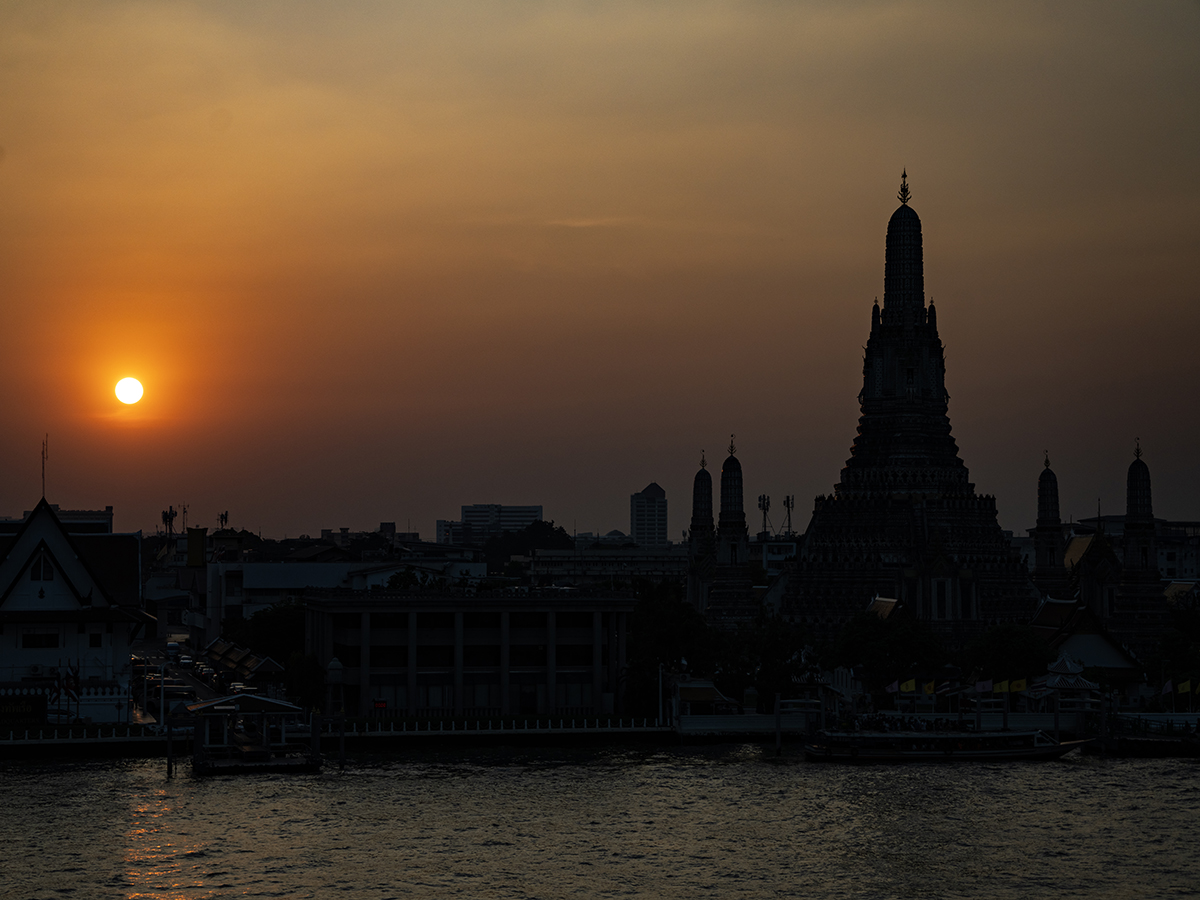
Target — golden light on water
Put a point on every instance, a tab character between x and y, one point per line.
129	390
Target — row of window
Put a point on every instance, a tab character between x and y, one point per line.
49	640
441	656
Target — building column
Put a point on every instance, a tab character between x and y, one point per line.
458	664
364	667
551	664
618	699
505	692
597	663
412	663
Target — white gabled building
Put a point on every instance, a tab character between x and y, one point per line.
69	613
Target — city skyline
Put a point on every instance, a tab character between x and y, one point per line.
377	265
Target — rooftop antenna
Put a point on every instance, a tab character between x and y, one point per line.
168	519
45	456
789	503
905	194
223	518
183	508
764	503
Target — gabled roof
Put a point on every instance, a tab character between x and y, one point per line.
40	531
1069	626
239	661
244	703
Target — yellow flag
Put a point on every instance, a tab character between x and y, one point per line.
929	687
909	686
1185	687
1001	688
1019	685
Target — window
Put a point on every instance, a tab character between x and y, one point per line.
39	641
42	569
941	599
95	640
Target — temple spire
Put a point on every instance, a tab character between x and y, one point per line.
905	194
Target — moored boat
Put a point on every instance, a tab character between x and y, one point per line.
934	746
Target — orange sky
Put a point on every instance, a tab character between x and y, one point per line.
376	262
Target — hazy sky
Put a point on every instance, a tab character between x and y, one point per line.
376	261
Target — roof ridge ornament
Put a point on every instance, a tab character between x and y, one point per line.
905	194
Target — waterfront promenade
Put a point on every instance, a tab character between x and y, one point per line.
367	735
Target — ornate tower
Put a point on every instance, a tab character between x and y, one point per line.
702	539
732	599
905	521
1141	614
733	541
1140	559
1049	543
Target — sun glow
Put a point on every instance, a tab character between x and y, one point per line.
129	390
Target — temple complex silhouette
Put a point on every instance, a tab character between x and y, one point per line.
905	522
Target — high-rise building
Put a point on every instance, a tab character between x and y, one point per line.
482	520
904	522
648	516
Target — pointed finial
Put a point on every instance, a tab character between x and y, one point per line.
905	194
1137	448
703	461
876	301
1047	463
732	448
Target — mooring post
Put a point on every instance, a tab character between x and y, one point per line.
1103	724
1057	729
170	747
342	741
778	725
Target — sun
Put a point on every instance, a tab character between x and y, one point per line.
129	390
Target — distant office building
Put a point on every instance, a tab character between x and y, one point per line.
482	520
343	537
648	516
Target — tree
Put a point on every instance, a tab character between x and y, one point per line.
539	535
1007	651
666	631
884	650
767	655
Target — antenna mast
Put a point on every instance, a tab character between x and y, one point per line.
45	456
789	503
764	503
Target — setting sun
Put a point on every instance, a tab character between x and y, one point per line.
129	390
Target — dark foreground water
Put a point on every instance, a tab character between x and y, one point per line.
713	822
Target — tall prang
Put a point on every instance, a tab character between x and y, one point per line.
731	599
904	521
1140	617
702	539
1049	541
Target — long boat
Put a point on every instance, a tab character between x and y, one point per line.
934	746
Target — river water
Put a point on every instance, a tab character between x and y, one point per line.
679	823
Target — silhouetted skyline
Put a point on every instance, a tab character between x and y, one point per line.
375	264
